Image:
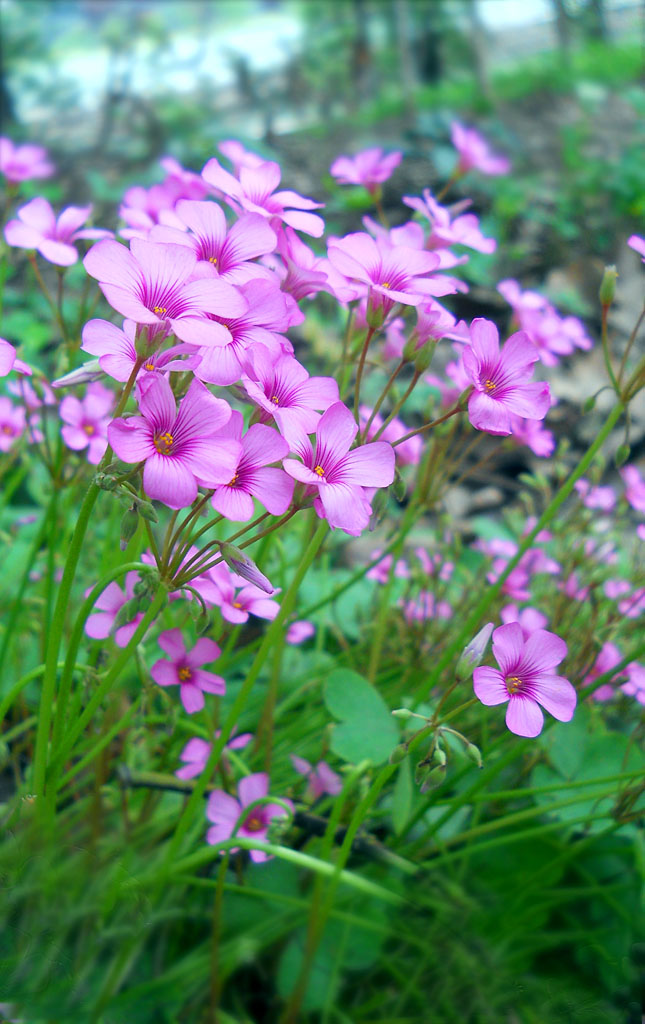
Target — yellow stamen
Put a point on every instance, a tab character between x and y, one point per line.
275	400
386	284
164	443
185	674
513	684
149	366
319	470
233	480
237	604
253	824
89	429
490	385
212	259
160	309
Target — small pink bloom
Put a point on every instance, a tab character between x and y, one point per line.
21	163
634	488
197	751
409	452
300	631
525	679
446	231
117	354
185	669
321	779
425	606
224	811
253	476
255	193
474	152
86	421
9	362
180	448
100	623
501	379
529	619
339	475
637	243
602	498
370	168
37	228
608	657
635	685
381	571
220	587
12	423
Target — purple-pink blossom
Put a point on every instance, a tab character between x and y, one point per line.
634	488
12	423
320	780
474	152
637	243
501	378
255	193
525	679
180	448
185	669
339	475
254	477
156	283
86	421
446	229
9	361
197	751
100	623
37	227
224	811
608	657
370	168
117	353
21	163
300	631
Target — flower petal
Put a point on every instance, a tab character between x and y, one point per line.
523	716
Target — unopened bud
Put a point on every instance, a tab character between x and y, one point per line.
379	507
589	404
105	481
473	653
399	754
434	778
608	286
421	772
147	510
82	375
403	713
129	524
244	567
410	347
424	357
474	753
126	613
147	584
439	756
622	455
399	486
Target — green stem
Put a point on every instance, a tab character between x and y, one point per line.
361	366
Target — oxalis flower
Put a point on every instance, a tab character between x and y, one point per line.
185	669
525	679
501	379
339	475
178	447
224	811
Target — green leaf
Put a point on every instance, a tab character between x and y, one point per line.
367	730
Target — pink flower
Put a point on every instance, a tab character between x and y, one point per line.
220	587
637	243
381	571
86	421
474	152
634	488
300	631
284	391
234	151
393	273
533	434
602	498
635	685
12	423
525	679
224	811
255	193
608	657
409	452
501	379
21	163
370	168
185	669
340	475
37	228
154	282
463	230
321	779
226	253
99	625
9	362
225	341
425	606
253	476
179	449
117	354
197	751
530	619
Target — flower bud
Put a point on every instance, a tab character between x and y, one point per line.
410	347
129	524
474	753
403	713
379	506
399	754
398	486
589	404
439	756
622	455
473	653
126	613
608	286
424	357
421	772
434	778
82	375
146	510
244	567
105	481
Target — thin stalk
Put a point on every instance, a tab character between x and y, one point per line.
361	366
395	372
426	426
401	402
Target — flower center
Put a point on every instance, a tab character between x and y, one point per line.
253	823
237	604
275	400
212	259
164	442
233	480
386	284
490	385
89	429
319	470
149	366
6	429
513	684
160	309
185	675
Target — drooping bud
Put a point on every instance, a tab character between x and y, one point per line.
622	455
403	713
129	524
379	507
147	510
473	653
398	754
474	753
607	288
424	357
126	613
82	375
434	778
105	481
439	756
399	487
244	567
